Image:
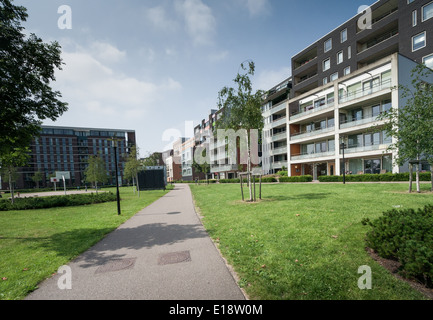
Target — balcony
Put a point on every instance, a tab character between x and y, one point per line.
302	135
279	136
308	156
279	122
279	164
223	168
377	147
349	96
280	150
357	122
302	113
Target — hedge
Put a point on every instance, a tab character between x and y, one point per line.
405	235
56	201
306	178
424	176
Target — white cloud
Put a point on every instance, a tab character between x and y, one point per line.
96	93
200	22
268	79
107	52
159	19
257	7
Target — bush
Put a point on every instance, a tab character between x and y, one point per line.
306	178
56	201
406	236
397	177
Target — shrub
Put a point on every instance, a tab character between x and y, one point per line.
423	176
306	178
407	236
56	201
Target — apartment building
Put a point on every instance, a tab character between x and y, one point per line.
274	135
342	82
67	149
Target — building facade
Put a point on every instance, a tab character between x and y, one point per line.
67	149
342	82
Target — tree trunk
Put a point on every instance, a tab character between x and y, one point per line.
11	187
417	179
138	186
410	177
133	184
96	187
249	168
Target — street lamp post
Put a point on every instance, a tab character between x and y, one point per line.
114	145
343	146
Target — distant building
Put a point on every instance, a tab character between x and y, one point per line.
67	149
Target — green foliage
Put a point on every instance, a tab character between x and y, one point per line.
396	177
56	201
95	171
405	235
27	66
283	173
306	178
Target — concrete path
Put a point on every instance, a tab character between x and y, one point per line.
162	253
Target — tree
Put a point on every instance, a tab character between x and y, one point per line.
9	162
37	178
27	66
95	171
411	126
241	109
133	166
151	160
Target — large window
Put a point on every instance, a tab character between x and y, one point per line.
340	57
427	11
418	41
428	61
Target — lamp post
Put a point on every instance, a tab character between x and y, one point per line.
114	145
343	146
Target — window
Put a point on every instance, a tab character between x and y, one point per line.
427	11
428	61
346	71
334	76
418	41
325	80
326	64
414	18
349	52
328	45
340	57
343	35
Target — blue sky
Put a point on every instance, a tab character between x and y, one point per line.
152	65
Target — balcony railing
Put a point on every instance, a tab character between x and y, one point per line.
366	148
279	122
365	92
301	113
357	122
301	135
312	155
279	136
280	150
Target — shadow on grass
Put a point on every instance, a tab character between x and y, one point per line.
303	196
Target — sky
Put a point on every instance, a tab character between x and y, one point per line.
156	66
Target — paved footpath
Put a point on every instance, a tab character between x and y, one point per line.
162	253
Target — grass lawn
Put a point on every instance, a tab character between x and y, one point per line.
305	241
35	243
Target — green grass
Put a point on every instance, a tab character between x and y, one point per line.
305	241
35	243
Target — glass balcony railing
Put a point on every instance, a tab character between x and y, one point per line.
302	135
349	96
312	155
301	113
